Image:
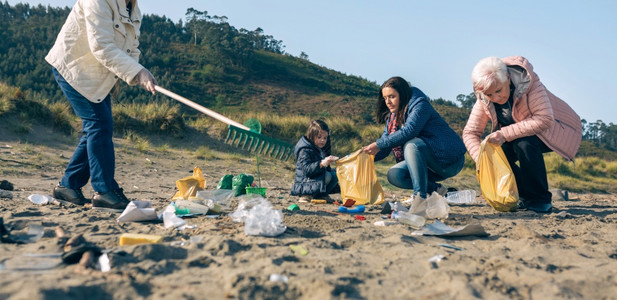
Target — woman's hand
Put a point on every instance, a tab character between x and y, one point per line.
146	80
371	149
496	138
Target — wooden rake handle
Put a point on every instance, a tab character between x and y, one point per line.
200	108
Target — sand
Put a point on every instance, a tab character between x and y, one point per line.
568	253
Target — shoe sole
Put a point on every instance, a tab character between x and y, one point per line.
67	203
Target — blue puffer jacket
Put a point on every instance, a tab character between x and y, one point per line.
310	179
423	121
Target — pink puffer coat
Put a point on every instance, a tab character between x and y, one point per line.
536	111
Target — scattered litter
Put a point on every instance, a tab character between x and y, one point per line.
216	200
278	278
358	209
298	250
385	223
450	246
6	194
562	215
318	201
435	259
137	211
188	186
39	199
259	217
137	238
349	202
104	264
32	263
171	220
360	218
185	208
293	207
35	233
440	229
6	185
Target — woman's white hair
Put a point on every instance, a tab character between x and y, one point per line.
488	72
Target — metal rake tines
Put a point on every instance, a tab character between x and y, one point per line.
258	143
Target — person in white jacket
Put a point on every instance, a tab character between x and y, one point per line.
96	46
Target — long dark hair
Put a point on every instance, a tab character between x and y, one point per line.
404	92
313	131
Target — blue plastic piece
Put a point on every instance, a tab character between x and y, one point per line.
358	209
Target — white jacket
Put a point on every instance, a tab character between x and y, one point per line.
97	45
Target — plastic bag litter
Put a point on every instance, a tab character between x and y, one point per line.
358	179
188	186
435	207
225	182
171	220
496	178
240	182
221	197
259	217
138	210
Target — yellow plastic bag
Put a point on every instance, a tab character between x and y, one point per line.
496	178
358	179
188	186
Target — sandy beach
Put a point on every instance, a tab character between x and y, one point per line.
569	253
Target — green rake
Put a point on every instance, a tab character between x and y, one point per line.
247	137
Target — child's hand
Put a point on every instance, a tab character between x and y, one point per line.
327	161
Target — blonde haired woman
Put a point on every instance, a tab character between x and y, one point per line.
526	121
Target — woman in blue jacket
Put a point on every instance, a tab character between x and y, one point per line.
426	149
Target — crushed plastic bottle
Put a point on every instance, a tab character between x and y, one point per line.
408	218
461	197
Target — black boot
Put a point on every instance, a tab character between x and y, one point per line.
69	195
112	200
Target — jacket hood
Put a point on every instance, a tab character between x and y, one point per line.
304	143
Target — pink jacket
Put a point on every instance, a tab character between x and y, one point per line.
536	111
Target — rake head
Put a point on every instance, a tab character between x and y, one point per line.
258	143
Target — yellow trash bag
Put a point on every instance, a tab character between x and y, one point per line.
496	178
358	179
188	186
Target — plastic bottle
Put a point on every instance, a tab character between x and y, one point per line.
408	218
461	197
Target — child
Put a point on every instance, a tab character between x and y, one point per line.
314	178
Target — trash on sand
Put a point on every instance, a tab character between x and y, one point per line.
360	218
137	238
104	264
32	263
358	209
319	201
190	207
259	217
293	207
39	199
450	246
298	250
35	233
435	259
6	194
385	223
136	211
188	186
349	202
278	278
216	199
171	220
440	229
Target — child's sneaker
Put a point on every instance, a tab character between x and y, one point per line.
305	199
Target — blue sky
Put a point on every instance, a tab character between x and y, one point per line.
435	44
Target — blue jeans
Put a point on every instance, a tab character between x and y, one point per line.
331	181
94	157
420	171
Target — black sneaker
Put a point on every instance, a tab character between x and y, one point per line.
114	201
69	195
